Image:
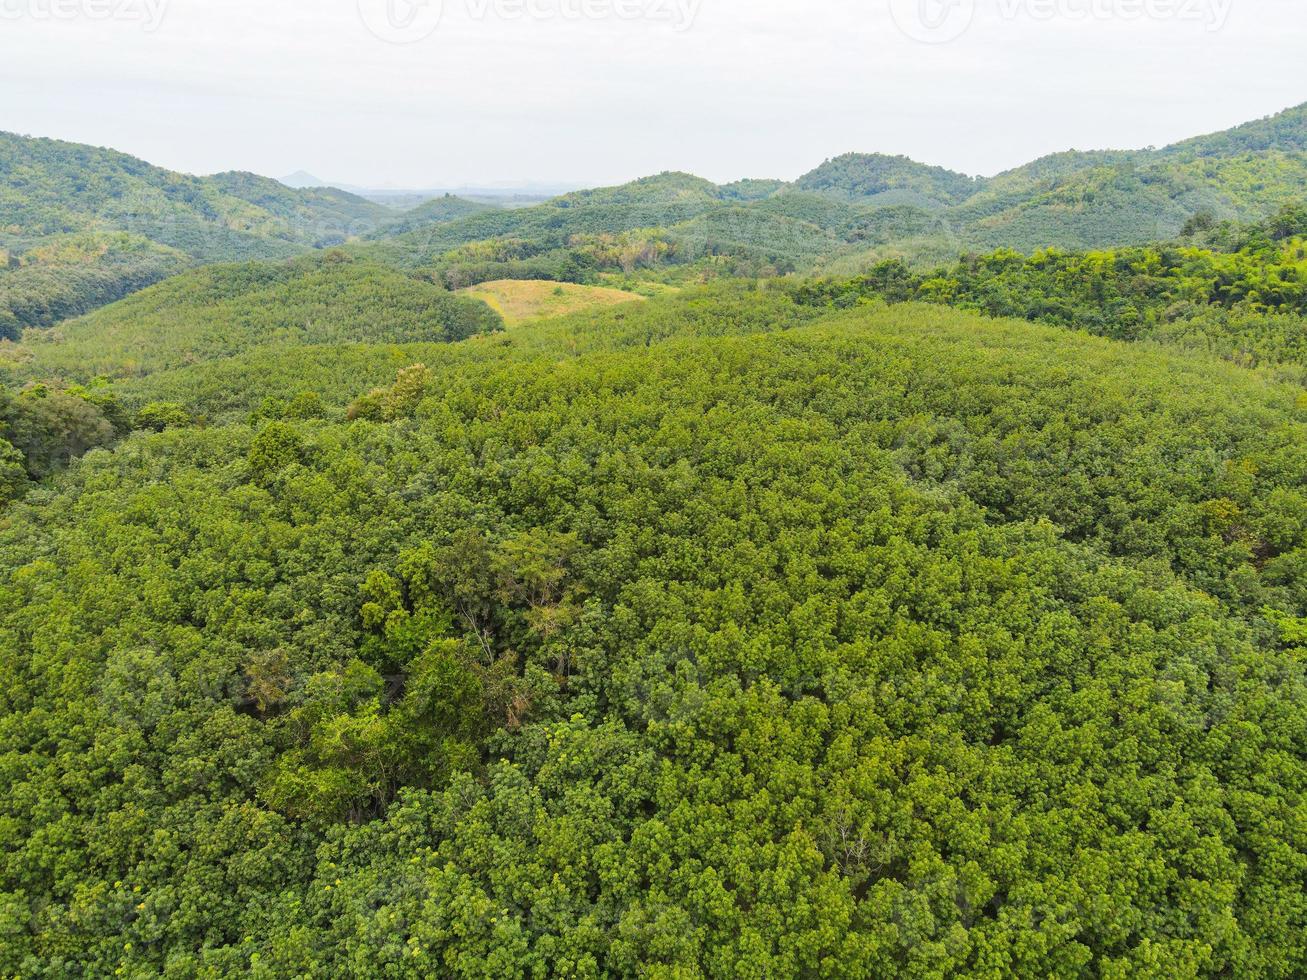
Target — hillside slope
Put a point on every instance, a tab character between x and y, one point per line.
705	636
52	192
222	310
858	208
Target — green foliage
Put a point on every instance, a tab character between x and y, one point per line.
780	628
221	311
85	226
1248	305
355	751
48	427
397	400
13	471
874	177
69	276
162	415
276	447
715	635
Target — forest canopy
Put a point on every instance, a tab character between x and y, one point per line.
795	579
709	634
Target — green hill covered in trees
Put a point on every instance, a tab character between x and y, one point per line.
61	199
868	207
721	632
825	614
218	311
81	226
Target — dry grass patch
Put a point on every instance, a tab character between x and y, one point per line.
518	301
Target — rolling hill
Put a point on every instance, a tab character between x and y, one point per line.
133	223
859	208
84	226
219	311
710	635
872	178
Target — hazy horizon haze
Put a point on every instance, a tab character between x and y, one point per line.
742	90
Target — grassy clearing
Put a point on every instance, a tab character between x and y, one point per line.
518	301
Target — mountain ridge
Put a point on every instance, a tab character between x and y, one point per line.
853	208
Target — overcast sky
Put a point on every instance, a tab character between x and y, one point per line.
569	91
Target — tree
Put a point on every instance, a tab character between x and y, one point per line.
276	446
13	472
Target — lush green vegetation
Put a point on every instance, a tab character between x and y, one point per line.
1286	131
56	402
74	274
905	620
1243	296
1134	202
82	226
219	311
43	429
719	634
49	187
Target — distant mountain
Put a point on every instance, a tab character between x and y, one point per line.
659	201
321	216
665	188
858	208
302	178
528	192
874	178
84	225
436	211
1285	131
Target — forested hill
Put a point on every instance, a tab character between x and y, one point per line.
858	208
81	226
784	608
50	187
1285	131
721	635
868	178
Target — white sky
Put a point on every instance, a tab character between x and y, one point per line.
752	88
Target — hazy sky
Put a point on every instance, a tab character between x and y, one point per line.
599	91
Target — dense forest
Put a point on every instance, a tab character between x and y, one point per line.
81	226
1237	291
669	580
67	209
